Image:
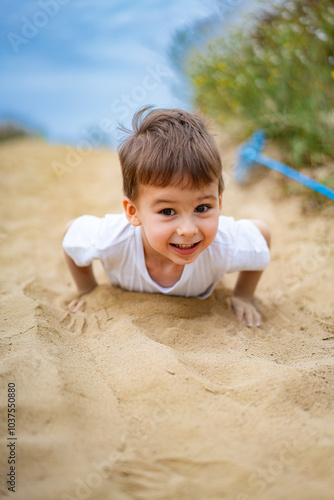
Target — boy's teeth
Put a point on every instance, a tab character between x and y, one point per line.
184	246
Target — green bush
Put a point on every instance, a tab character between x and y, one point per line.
277	75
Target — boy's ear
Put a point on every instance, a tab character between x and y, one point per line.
220	203
131	212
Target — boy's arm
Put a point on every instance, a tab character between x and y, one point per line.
241	301
85	281
83	278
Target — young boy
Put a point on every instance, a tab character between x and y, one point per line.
171	238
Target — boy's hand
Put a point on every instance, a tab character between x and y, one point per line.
244	309
78	304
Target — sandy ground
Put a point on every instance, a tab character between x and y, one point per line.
150	397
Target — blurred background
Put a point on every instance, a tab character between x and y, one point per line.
71	70
69	65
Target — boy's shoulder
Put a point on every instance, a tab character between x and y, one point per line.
227	228
239	235
103	231
113	229
115	220
238	246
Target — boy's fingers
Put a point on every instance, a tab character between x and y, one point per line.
238	309
249	317
245	311
257	318
76	305
80	305
253	318
239	313
72	304
76	308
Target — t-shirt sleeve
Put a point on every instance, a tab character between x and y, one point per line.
80	241
250	251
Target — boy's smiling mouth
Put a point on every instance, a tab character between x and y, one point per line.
185	249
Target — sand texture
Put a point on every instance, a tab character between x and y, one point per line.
147	397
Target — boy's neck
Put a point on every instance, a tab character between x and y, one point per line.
163	271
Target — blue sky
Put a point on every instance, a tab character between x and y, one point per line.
69	65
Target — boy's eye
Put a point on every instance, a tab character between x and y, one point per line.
202	208
167	211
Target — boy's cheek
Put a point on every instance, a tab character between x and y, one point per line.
211	235
155	233
212	227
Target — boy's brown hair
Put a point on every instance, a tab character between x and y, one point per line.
168	147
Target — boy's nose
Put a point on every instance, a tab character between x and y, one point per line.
187	228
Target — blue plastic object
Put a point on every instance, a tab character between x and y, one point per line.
250	153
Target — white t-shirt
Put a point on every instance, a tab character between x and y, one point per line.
238	246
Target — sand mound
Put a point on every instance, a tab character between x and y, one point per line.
151	397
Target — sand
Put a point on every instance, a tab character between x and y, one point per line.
149	397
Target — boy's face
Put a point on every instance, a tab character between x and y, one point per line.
177	223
